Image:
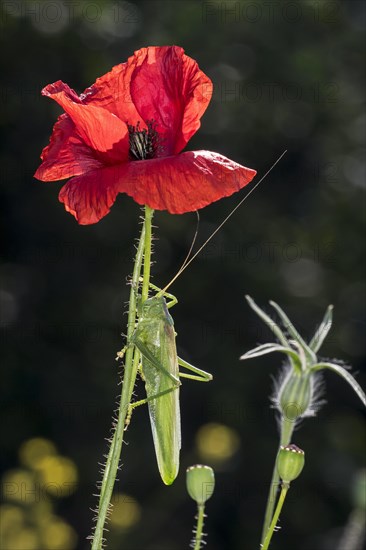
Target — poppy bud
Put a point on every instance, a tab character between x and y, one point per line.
295	396
200	483
290	462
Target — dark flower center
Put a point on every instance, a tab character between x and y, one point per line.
144	144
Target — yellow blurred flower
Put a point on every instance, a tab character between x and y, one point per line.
216	442
12	518
21	485
34	526
58	475
58	535
21	539
126	511
34	450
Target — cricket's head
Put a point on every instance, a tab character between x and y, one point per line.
154	308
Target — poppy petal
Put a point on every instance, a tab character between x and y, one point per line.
89	197
197	91
167	87
100	129
112	92
66	155
179	184
183	183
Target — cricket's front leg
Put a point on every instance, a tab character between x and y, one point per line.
172	299
120	354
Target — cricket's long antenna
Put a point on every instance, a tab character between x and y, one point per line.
186	261
182	267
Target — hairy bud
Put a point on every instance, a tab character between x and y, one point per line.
295	396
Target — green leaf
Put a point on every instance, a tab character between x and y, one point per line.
345	374
292	330
264	349
269	322
322	331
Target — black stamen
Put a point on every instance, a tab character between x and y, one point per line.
144	144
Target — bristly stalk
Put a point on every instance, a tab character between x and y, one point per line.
147	253
129	378
276	515
198	532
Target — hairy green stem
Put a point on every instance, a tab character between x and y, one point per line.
199	527
287	428
281	500
129	378
147	253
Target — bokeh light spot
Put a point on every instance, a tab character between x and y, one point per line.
126	512
20	485
58	535
42	512
9	307
12	518
23	539
59	475
216	442
34	450
303	277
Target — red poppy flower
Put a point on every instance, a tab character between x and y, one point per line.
125	134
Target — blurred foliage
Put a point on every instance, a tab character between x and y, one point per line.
28	521
287	75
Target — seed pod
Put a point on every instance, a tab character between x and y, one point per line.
295	396
200	483
290	462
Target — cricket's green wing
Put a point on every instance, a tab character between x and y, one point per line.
164	410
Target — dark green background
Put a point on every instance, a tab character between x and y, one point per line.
287	75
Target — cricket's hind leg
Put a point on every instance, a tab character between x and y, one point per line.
199	374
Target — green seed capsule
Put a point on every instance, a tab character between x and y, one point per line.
200	482
290	462
295	396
